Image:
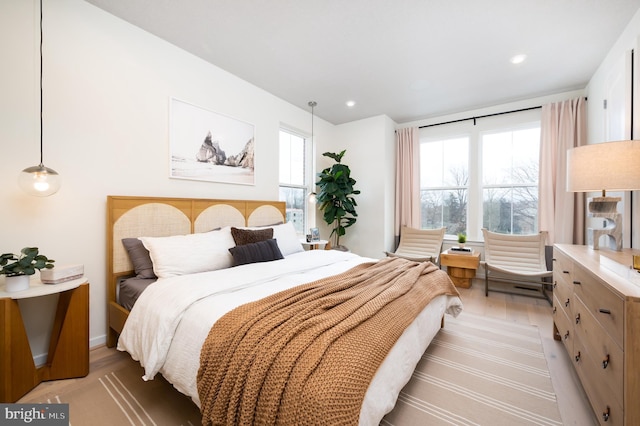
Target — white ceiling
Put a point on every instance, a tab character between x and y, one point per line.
408	59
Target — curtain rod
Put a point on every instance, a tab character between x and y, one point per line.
480	116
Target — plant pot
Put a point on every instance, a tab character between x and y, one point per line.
16	283
340	248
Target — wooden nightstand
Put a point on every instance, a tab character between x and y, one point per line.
461	267
68	355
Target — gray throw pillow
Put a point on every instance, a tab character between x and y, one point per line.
139	256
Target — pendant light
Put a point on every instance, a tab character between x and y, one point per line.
39	180
312	194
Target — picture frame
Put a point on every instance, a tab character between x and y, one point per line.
315	234
208	146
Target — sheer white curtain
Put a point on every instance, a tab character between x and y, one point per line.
563	126
407	212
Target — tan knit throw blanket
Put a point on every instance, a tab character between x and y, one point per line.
307	355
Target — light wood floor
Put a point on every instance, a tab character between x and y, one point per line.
572	401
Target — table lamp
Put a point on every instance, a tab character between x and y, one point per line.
608	166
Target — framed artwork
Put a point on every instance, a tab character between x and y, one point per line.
315	234
208	146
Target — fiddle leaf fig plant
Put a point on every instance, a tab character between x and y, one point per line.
335	196
24	263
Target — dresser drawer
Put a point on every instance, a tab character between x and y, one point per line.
562	292
606	306
563	324
606	357
607	408
562	265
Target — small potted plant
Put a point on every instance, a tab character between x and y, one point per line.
17	268
462	238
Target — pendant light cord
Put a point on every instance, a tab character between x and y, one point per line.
41	133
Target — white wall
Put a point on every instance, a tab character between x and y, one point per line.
617	65
371	156
107	86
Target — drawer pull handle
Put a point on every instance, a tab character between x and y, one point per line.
577	282
604	311
566	304
605	361
566	335
565	272
554	309
555	284
605	415
578	357
578	319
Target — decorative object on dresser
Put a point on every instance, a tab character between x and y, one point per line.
18	267
39	180
419	245
609	166
517	259
596	311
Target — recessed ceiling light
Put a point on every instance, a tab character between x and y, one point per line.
351	104
518	59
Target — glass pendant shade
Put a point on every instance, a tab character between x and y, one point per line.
39	181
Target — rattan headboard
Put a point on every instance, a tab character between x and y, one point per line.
131	217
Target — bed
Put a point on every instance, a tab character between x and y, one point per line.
174	317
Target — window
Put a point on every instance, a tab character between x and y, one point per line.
444	184
295	175
483	175
510	181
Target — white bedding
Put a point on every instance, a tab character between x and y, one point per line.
170	321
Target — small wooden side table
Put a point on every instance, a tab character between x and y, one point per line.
68	354
461	267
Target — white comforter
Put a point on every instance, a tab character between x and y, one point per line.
170	321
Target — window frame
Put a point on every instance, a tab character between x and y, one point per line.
474	129
308	174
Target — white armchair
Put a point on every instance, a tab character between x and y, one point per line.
517	259
419	245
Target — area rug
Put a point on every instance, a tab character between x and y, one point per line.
479	371
121	398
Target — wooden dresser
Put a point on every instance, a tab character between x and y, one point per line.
596	308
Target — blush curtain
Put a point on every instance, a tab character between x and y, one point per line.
407	211
563	126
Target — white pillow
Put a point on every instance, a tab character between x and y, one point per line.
191	253
287	238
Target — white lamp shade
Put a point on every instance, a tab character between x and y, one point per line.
39	181
608	166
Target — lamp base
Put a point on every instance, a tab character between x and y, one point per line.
606	209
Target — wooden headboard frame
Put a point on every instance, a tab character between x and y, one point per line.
132	217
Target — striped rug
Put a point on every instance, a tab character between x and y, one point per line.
479	371
122	398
